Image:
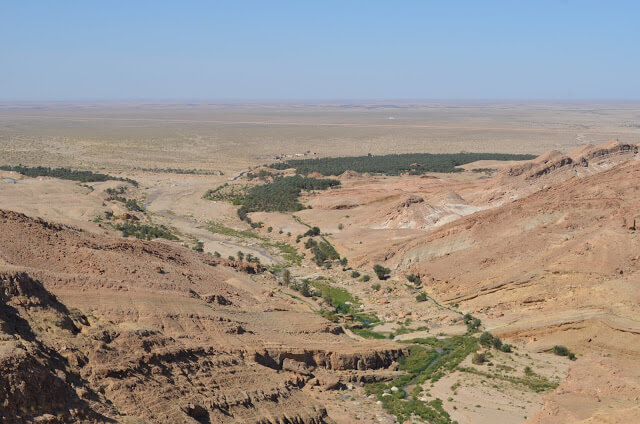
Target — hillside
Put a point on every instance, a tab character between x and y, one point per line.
559	266
132	331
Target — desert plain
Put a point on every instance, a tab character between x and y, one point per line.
212	319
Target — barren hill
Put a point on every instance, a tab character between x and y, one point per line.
560	266
132	331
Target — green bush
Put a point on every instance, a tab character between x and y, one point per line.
507	348
365	278
478	358
485	339
312	232
415	279
497	343
472	323
563	351
381	271
355	274
421	297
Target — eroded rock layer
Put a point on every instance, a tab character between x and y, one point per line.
131	331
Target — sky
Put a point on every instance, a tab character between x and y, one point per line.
67	50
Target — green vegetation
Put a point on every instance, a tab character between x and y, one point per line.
312	232
225	192
286	251
368	333
428	360
472	323
342	301
563	351
262	175
532	381
413	278
65	174
355	274
488	170
218	228
280	195
144	231
478	359
130	204
381	271
421	297
323	253
182	171
412	163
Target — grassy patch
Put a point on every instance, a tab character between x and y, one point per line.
218	228
342	301
288	253
368	333
532	382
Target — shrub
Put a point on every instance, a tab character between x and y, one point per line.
286	277
365	278
381	271
421	297
485	339
412	278
472	323
305	289
478	358
497	343
312	232
376	286
355	274
506	348
563	351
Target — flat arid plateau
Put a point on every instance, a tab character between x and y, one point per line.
179	280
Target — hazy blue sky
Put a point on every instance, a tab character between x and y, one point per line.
72	50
